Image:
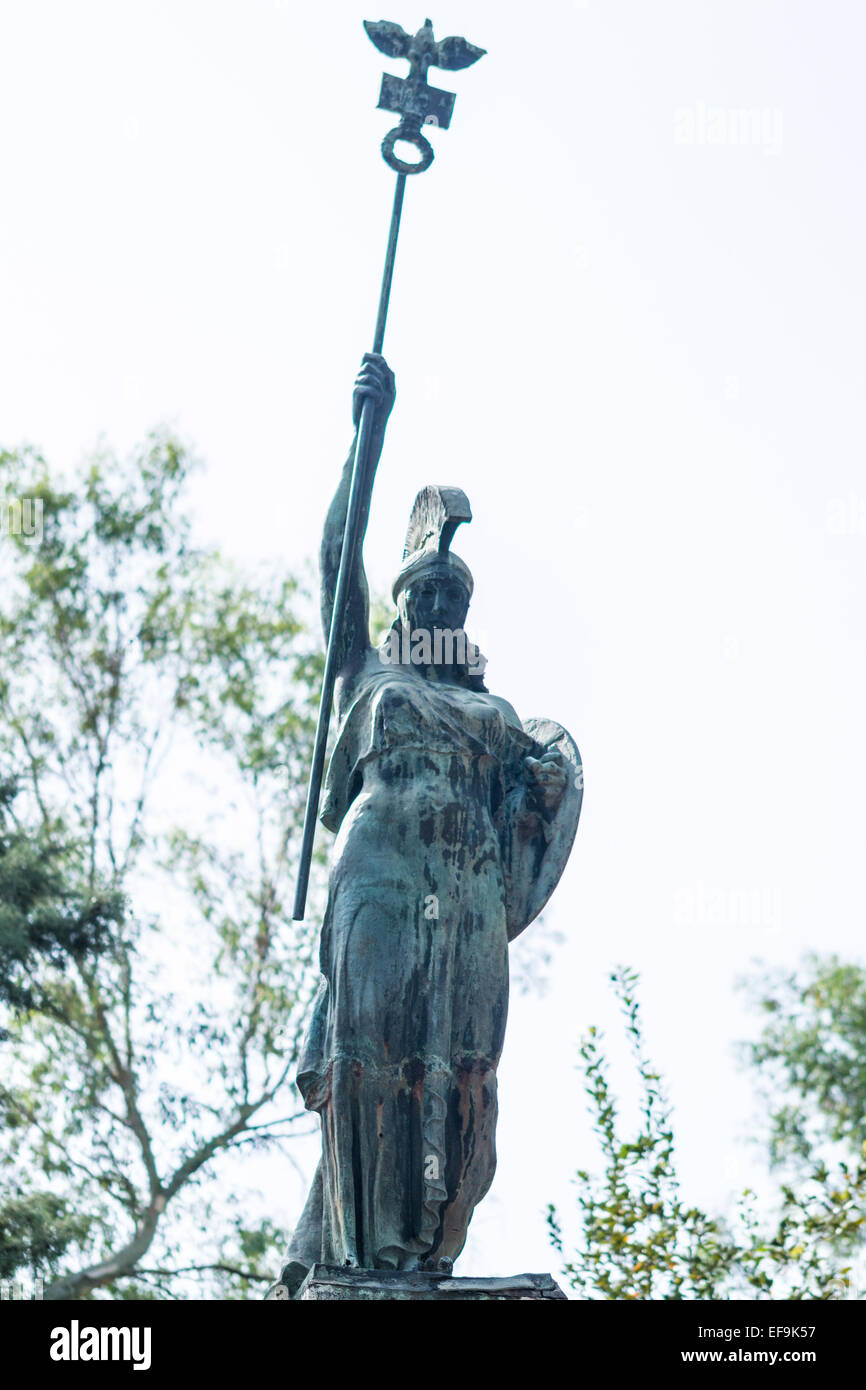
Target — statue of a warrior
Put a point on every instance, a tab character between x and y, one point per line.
453	823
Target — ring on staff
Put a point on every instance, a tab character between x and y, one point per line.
412	137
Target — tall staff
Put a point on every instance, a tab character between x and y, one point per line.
417	104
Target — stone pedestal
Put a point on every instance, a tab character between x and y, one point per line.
329	1283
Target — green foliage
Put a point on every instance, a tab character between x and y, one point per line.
35	1233
157	709
46	917
640	1240
811	1057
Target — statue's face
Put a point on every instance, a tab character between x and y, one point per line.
437	600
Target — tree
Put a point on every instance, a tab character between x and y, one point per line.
156	715
45	920
45	916
811	1053
640	1240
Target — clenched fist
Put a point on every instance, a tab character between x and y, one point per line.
547	777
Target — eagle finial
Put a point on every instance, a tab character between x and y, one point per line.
412	97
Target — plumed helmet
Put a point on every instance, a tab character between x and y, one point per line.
436	514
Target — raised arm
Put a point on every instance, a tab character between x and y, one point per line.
376	380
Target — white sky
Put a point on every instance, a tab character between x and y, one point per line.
642	359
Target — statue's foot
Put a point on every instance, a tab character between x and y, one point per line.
286	1287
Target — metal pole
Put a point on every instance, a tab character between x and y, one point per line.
388	272
417	103
358	496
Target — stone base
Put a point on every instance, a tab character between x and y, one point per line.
330	1283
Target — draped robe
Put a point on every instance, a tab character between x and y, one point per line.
440	858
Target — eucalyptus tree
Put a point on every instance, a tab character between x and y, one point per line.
156	713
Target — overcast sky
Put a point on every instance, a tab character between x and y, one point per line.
628	321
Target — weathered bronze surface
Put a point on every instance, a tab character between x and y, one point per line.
412	98
326	1284
453	823
417	102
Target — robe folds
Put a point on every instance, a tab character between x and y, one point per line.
440	858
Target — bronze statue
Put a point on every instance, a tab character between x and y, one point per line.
453	823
